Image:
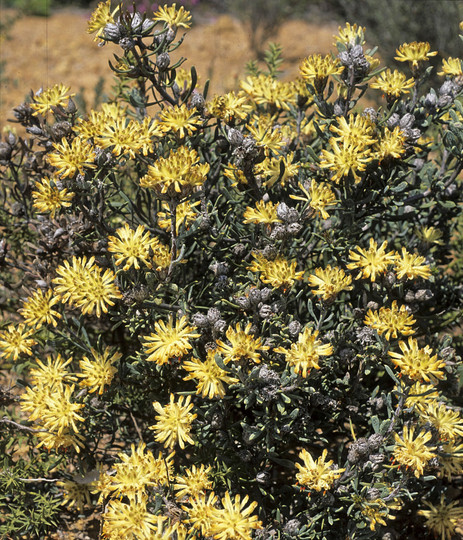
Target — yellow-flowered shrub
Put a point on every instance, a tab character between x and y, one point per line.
234	317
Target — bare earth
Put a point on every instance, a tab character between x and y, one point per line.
40	52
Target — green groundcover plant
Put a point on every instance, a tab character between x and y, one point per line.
235	316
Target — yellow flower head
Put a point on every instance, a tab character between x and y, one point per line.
72	158
200	511
391	321
55	96
131	246
209	376
194	482
229	106
371	261
277	272
177	175
317	68
98	371
15	340
52	374
317	474
430	235
443	518
273	167
304	355
356	130
344	159
185	214
451	67
37	309
391	145
101	16
330	281
179	119
319	196
243	345
266	90
350	35
173	423
234	520
414	53
173	17
410	266
447	421
48	198
392	83
131	520
412	452
451	460
60	414
169	340
416	363
84	285
262	213
421	395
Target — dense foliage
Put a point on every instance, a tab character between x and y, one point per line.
235	316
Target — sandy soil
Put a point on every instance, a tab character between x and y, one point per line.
39	52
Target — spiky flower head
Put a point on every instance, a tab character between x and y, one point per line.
243	345
412	452
55	96
173	422
317	475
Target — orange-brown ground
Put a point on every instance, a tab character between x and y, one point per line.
39	52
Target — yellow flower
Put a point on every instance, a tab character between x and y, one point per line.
350	35
242	345
265	135
319	196
75	494
266	90
172	16
229	106
356	130
15	340
416	363
86	286
234	520
209	376
316	475
193	483
304	355
443	518
177	175
451	460
169	340
372	261
430	235
412	452
59	413
179	119
92	126
52	375
316	69
392	83
447	421
391	321
200	511
411	266
131	520
37	309
52	440
135	472
421	395
183	79
124	136
263	212
185	214
279	272
451	67
48	198
131	247
414	53
272	167
330	281
345	159
173	423
72	158
390	145
100	17
45	100
99	371
378	511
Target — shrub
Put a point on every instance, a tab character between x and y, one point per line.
232	317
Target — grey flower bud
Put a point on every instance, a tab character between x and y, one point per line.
375	441
370	113
265	294
372	494
294	328
200	320
136	21
34	130
423	295
265	311
220	326
254	295
263	478
338	108
61	129
197	100
294	229
235	137
163	61
430	101
112	32
5	151
126	43
243	302
393	121
213	314
146	26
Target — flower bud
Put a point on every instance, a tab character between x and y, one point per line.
5	151
163	61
